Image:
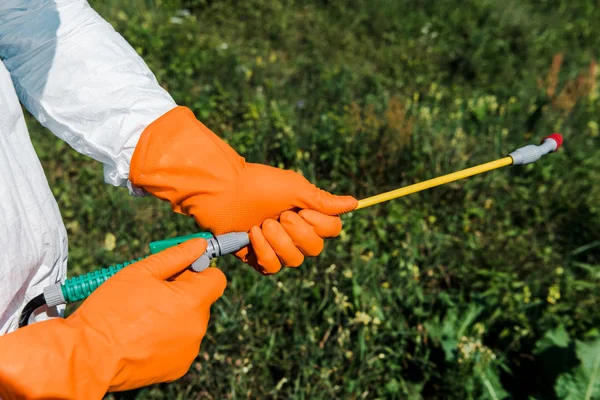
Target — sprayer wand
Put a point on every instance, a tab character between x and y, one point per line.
522	156
80	287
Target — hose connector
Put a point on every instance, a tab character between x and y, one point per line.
221	245
54	296
532	153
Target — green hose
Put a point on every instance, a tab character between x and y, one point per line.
80	287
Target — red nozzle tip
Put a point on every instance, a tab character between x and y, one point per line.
557	137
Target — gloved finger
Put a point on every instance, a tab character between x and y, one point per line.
182	276
320	200
325	226
302	233
243	254
266	259
282	243
205	287
168	262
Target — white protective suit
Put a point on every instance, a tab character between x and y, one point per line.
83	82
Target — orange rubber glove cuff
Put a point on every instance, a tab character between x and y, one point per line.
51	359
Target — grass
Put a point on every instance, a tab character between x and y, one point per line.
443	294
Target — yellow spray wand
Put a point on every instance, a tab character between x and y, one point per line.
524	155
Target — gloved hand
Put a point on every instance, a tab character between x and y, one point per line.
180	160
136	329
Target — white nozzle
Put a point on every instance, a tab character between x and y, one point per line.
532	153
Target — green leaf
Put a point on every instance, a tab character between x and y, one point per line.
414	390
445	332
584	381
468	318
589	354
493	388
554	338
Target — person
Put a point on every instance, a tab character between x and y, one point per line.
81	80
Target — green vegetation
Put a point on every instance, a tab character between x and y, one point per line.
482	289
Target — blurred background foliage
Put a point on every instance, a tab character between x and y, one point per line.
486	288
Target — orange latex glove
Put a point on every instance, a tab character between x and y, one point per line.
180	160
136	329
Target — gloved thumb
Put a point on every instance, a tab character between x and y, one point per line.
209	284
327	203
169	262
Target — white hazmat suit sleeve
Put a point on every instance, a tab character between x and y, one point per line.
80	79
